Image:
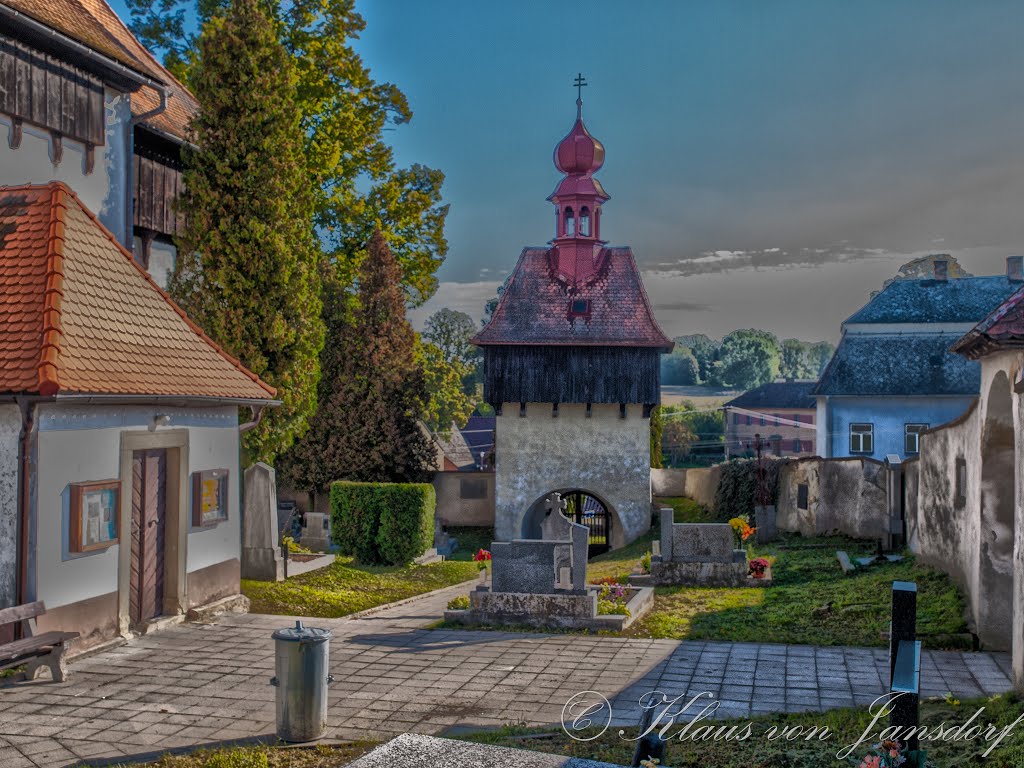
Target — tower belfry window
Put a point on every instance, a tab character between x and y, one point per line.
570	223
585	221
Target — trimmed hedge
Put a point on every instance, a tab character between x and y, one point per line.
383	523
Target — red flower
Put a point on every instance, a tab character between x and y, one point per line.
482	555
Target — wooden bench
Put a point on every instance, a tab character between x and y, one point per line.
34	650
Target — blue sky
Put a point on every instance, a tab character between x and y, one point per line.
770	163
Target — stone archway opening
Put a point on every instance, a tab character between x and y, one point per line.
583	507
997	496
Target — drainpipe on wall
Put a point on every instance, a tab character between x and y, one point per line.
24	490
257	417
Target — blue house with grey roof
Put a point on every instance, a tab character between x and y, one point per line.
893	375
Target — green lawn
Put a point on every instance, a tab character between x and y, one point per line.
321	756
845	725
811	601
347	587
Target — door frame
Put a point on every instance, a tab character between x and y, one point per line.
175	442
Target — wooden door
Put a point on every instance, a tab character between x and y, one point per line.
149	507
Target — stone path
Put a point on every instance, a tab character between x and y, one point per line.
202	684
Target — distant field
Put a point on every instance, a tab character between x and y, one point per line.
706	397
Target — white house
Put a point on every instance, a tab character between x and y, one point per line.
119	433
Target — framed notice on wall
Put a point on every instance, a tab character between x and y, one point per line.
94	512
209	497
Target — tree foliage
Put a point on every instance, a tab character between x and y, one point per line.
680	368
373	391
803	359
351	169
747	359
450	331
656	431
447	400
248	269
704	350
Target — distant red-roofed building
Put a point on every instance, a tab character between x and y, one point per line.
119	431
572	355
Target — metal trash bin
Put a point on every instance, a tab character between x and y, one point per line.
300	663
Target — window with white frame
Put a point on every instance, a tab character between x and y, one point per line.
912	437
862	438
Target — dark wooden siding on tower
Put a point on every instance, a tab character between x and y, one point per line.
557	374
44	91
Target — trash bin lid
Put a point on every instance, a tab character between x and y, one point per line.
302	634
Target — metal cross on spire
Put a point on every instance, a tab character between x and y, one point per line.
580	82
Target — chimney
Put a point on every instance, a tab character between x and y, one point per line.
941	270
1015	268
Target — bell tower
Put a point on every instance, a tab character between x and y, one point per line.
571	367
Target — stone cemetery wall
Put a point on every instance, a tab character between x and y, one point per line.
668	482
10	429
821	496
701	484
465	498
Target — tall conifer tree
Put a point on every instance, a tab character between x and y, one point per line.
373	392
248	270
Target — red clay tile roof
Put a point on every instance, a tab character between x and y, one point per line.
1002	329
535	307
79	316
94	24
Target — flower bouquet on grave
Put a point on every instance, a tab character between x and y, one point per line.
482	558
741	530
892	754
757	567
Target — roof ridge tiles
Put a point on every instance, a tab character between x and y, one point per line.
49	354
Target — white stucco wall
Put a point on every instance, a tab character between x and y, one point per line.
10	429
79	443
603	454
103	190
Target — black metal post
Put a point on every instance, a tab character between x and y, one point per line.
650	746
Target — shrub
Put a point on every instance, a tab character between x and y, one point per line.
384	523
460	603
645	562
737	488
237	758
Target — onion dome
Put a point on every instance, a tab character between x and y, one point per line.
579	152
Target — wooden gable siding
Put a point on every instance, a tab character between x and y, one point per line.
42	90
156	185
567	374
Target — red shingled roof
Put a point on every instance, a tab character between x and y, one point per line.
536	307
1002	329
79	316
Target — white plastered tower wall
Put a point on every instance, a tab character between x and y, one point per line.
602	454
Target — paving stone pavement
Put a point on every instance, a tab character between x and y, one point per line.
206	683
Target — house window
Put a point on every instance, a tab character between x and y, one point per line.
750	419
764	421
472	488
912	437
570	223
736	419
801	496
796	446
585	221
579	307
862	438
778	420
961	482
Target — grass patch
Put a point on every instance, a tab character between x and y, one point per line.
346	587
333	756
811	601
689	511
471	539
845	726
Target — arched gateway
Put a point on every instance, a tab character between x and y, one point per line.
580	507
572	365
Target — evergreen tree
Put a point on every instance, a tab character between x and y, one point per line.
372	394
248	268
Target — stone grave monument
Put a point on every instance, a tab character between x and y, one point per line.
695	554
261	550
